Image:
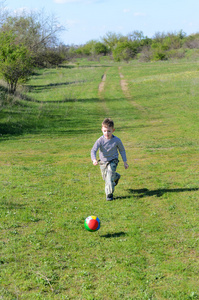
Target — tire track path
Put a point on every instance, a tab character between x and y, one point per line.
101	93
125	89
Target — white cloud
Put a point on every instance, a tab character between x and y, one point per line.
126	10
138	14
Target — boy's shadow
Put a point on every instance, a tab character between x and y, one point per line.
113	235
140	193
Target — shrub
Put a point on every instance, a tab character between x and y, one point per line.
159	55
15	61
176	53
125	50
100	48
145	55
192	41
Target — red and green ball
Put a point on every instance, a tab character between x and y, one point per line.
92	223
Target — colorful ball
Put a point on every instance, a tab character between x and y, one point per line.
92	223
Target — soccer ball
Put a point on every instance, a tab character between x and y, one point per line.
92	223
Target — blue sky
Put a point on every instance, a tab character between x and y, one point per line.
85	20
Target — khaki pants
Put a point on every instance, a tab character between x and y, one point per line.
109	175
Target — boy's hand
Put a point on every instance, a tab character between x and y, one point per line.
126	165
95	162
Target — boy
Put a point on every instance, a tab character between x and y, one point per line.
108	146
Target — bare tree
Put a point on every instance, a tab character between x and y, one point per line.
136	36
3	12
111	39
26	41
35	29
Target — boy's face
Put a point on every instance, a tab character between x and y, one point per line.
107	132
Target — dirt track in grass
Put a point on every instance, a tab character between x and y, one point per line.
125	89
101	93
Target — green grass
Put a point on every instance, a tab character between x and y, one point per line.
147	246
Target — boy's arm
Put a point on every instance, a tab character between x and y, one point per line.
94	152
95	162
123	154
126	165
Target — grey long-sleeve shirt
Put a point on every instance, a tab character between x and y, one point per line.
108	149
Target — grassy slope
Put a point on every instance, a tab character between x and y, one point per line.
147	245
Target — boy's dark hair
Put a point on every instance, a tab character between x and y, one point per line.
108	122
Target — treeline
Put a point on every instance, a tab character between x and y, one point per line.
27	41
31	40
162	46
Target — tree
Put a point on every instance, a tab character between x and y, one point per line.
192	41
159	37
35	30
86	49
136	36
111	39
125	50
3	12
100	49
15	61
51	57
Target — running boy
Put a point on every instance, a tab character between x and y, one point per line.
108	146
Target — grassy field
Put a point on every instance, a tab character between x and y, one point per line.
147	246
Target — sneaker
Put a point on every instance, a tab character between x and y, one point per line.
109	197
117	180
